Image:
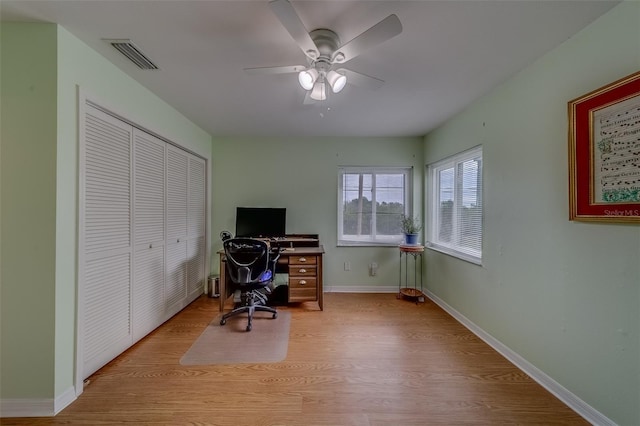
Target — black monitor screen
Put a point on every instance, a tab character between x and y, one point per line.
260	222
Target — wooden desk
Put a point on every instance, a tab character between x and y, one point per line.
304	266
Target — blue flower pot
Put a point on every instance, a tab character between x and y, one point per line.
411	239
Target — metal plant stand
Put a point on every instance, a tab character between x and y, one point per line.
407	292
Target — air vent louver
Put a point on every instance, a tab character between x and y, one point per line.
133	53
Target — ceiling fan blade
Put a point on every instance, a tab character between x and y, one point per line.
275	70
382	31
292	23
362	80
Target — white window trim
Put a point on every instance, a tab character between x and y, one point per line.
433	203
367	241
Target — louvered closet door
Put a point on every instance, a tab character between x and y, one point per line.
149	233
106	239
196	225
176	236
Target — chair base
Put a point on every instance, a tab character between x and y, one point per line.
249	308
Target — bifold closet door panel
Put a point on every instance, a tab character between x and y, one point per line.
106	258
176	232
177	196
196	225
149	189
195	265
197	198
149	232
148	291
176	276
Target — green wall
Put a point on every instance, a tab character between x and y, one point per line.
43	67
28	197
564	295
301	174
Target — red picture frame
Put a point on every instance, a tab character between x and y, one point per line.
604	153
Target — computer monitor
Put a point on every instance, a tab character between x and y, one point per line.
254	222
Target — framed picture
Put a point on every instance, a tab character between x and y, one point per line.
604	153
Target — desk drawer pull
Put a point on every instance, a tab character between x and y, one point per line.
302	282
302	271
303	259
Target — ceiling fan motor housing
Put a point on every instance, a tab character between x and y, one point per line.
327	43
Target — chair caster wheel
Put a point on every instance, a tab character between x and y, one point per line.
249	327
223	321
275	316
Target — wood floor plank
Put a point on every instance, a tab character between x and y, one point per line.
366	360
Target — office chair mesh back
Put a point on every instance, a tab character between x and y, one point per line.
247	261
250	267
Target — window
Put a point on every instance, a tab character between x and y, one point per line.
455	204
371	202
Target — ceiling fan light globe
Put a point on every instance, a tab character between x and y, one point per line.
318	93
337	81
307	78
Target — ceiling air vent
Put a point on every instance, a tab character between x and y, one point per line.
135	55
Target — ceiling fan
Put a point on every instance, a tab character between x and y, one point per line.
325	55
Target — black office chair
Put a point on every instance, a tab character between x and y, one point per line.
251	268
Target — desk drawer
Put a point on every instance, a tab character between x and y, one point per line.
301	289
302	282
302	270
302	260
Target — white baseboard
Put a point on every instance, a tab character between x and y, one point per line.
32	407
360	289
62	401
36	407
571	400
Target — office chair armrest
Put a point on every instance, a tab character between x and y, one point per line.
274	253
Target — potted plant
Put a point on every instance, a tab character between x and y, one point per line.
411	228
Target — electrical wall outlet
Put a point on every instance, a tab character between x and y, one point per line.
373	269
347	266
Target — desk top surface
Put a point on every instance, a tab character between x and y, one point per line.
296	251
302	250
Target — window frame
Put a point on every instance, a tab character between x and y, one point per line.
433	206
372	239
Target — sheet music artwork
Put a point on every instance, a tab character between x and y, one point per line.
616	153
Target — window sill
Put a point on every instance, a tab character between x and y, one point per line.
347	243
458	255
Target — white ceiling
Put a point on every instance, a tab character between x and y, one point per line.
449	54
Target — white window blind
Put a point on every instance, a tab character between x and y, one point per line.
371	203
455	205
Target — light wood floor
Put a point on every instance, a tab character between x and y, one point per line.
367	359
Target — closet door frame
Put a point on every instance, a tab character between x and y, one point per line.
84	99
